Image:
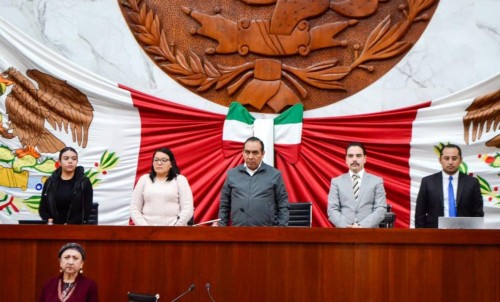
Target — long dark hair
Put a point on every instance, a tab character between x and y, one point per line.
174	171
65	149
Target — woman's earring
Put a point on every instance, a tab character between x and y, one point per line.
81	271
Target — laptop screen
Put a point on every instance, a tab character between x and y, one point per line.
32	221
460	222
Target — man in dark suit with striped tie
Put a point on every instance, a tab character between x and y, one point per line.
357	198
448	193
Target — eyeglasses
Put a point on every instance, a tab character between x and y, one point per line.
161	160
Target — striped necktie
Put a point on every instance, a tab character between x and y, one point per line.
355	185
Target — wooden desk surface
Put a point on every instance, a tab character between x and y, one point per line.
260	264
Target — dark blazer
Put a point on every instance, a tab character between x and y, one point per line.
81	204
430	199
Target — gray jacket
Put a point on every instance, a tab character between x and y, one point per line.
370	208
256	200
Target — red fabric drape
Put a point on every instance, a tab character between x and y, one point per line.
386	136
195	137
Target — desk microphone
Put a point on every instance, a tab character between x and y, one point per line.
191	287
207	222
208	291
249	216
177	220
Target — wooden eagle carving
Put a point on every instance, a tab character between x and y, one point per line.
288	13
55	102
484	116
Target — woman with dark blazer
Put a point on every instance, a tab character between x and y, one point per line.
67	194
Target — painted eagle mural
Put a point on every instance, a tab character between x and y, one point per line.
54	101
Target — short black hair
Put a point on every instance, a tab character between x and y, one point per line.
356	144
255	139
450	146
65	149
71	246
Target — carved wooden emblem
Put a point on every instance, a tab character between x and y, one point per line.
51	101
483	116
271	54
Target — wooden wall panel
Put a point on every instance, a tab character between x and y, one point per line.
18	270
260	264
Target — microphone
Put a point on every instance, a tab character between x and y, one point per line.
83	205
208	291
250	216
177	220
191	287
207	222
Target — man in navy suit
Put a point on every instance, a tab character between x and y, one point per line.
435	199
357	198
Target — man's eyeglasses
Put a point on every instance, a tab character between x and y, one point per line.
161	160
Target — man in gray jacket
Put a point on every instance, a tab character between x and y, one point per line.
357	198
254	193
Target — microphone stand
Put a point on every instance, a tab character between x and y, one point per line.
191	287
207	222
83	203
208	291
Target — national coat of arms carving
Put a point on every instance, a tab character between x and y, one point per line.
271	54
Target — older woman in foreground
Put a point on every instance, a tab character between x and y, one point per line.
71	285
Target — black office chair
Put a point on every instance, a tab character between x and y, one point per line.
300	214
191	221
390	218
94	214
137	297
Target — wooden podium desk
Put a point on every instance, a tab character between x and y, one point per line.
259	264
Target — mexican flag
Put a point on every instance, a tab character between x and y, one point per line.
123	127
282	133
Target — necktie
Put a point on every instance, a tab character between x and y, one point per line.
355	185
451	199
